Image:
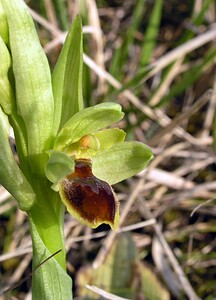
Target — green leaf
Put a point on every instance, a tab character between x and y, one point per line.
116	275
67	77
109	137
6	93
11	177
88	121
61	13
121	54
58	166
121	161
151	286
32	80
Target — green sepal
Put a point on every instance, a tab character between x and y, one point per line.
88	121
6	93
58	166
32	76
121	161
3	25
11	177
108	137
67	77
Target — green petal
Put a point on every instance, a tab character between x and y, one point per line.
109	137
121	161
88	121
58	166
67	77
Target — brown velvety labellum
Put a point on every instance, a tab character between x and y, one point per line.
89	197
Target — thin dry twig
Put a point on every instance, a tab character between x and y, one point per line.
98	52
200	205
210	112
164	87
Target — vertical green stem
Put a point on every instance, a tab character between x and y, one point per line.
50	281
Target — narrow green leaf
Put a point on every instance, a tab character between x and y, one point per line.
32	80
121	161
88	121
121	54
151	286
197	19
151	33
61	13
67	77
11	177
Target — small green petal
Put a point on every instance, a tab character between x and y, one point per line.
88	121
121	161
109	137
58	166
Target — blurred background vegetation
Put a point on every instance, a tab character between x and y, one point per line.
157	59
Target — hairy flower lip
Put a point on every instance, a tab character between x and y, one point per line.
91	200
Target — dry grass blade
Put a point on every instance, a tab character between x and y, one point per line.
210	112
98	52
182	50
162	90
199	206
104	294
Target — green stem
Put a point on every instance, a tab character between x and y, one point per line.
50	281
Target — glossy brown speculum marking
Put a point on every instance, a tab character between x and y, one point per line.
89	197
